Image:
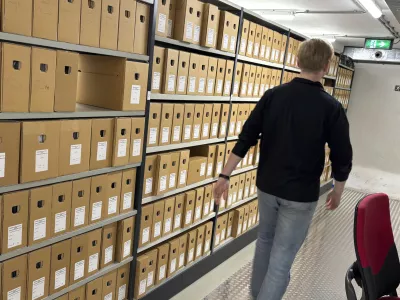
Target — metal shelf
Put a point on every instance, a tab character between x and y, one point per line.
236	204
239	99
183	145
342	88
174	97
259	61
178	191
330	77
81	111
232	138
244	170
287	68
66	236
186	45
346	67
100	273
10	37
29	185
175	233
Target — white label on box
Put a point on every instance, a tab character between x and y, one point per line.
232	127
227	89
196	36
250	89
161	272
170	23
232	46
177	133
210	36
244	88
182	177
188	219
273	54
277	55
177	223
167	225
255	92
122	143
219	86
79	269
244	161
197	214
198	251
172	180
238	126
219	167
157	229
267	52
214	131
93	262
192	84
182	84
75	154
96	210
171	83
256	49
203	169
156	80
127	249
243	46
149	185
189	31
229	199
60	276
181	260
210	86
162	20
135	94
225	42
145	235
191	255
60	221
236	88
39	229
202	84
250	159
108	256
252	189
196	131
239	231
14	294
112	205
101	151
289	58
217	239
209	169
206	129
240	194
79	218
163	183
282	57
223	128
229	231
206	209
293	59
262	87
42	160
150	276
188	130
207	246
254	219
246	192
244	226
250	48
127	201
38	288
234	197
212	205
122	292
142	286
2	164
262	51
172	266
165	135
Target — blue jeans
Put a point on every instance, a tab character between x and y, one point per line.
282	230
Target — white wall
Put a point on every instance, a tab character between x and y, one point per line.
374	116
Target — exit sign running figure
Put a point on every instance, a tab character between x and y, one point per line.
378	44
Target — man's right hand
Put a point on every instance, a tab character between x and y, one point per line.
221	188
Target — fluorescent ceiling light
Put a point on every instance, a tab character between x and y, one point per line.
279	17
372	8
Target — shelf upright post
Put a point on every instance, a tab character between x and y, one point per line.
285	57
140	173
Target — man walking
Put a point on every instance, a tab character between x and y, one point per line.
295	121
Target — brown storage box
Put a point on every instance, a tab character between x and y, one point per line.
283	49
15	77
182	251
162	17
39	214
152	267
244	37
207	116
162	170
257	82
113	195
200	241
207	237
210	152
162	263
76	294
158	69
109	284
252	78
169	205
94	251
224	120
187	22
43	75
188	122
198	204
197	169
263	45
216	115
122	141
219	81
125	239
108	244
154	124
150	176
237	222
202	75
207	200
101	146
191	246
257	41
238	77
189	202
141	28
170	71
79	262
228	78
94	289
61	208
137	140
245	80
171	18
109	24
122	282
98	196
233	118
75	136
174	170
141	276
60	266
179	211
167	113
40	144
245	218
127	190
219	159
14	210
211	75
242	179
9	152
250	39
45	18
16	17
146	223
193	76
210	25
182	73
158	218
14	274
227	33
268	47
173	257
69	21
112	82
90	23
197	121
126	28
80	203
229	224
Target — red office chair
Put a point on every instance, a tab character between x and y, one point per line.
377	269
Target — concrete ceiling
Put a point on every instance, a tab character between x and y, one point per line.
329	24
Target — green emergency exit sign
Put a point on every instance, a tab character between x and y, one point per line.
378	44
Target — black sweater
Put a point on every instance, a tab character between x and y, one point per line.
295	121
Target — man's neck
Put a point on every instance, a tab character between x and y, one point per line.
312	76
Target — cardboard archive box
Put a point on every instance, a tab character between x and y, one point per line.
137	140
177	123
188	19
215	120
39	214
113	195
208	151
158	69
263	44
69	21
238	77
257	41
152	267
167	113
90	23
200	241
102	139
170	71
237	222
61	208
98	198
220	76
227	33
207	115
219	159
142	20
80	203
182	73
202	75
211	75
127	190
198	204
77	294
189	202
122	141
197	121
169	205
163	164
16	17
108	244
125	234
146	224
207	201
191	246
250	39
197	169
228	78
121	289
174	170
94	289
154	124
60	266
244	37
224	120
150	176
109	284
14	278
252	79
162	18
193	76
207	237
173	257
158	219
162	263
182	251
188	122
141	276
126	25
171	18
9	152
93	251
210	26
179	211
79	251
233	118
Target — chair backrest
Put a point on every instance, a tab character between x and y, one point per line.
375	248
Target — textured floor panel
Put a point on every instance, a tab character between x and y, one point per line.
319	270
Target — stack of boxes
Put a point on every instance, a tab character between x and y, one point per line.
343	96
344	78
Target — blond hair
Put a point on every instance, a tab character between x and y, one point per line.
314	55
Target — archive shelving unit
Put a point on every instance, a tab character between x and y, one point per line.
195	270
